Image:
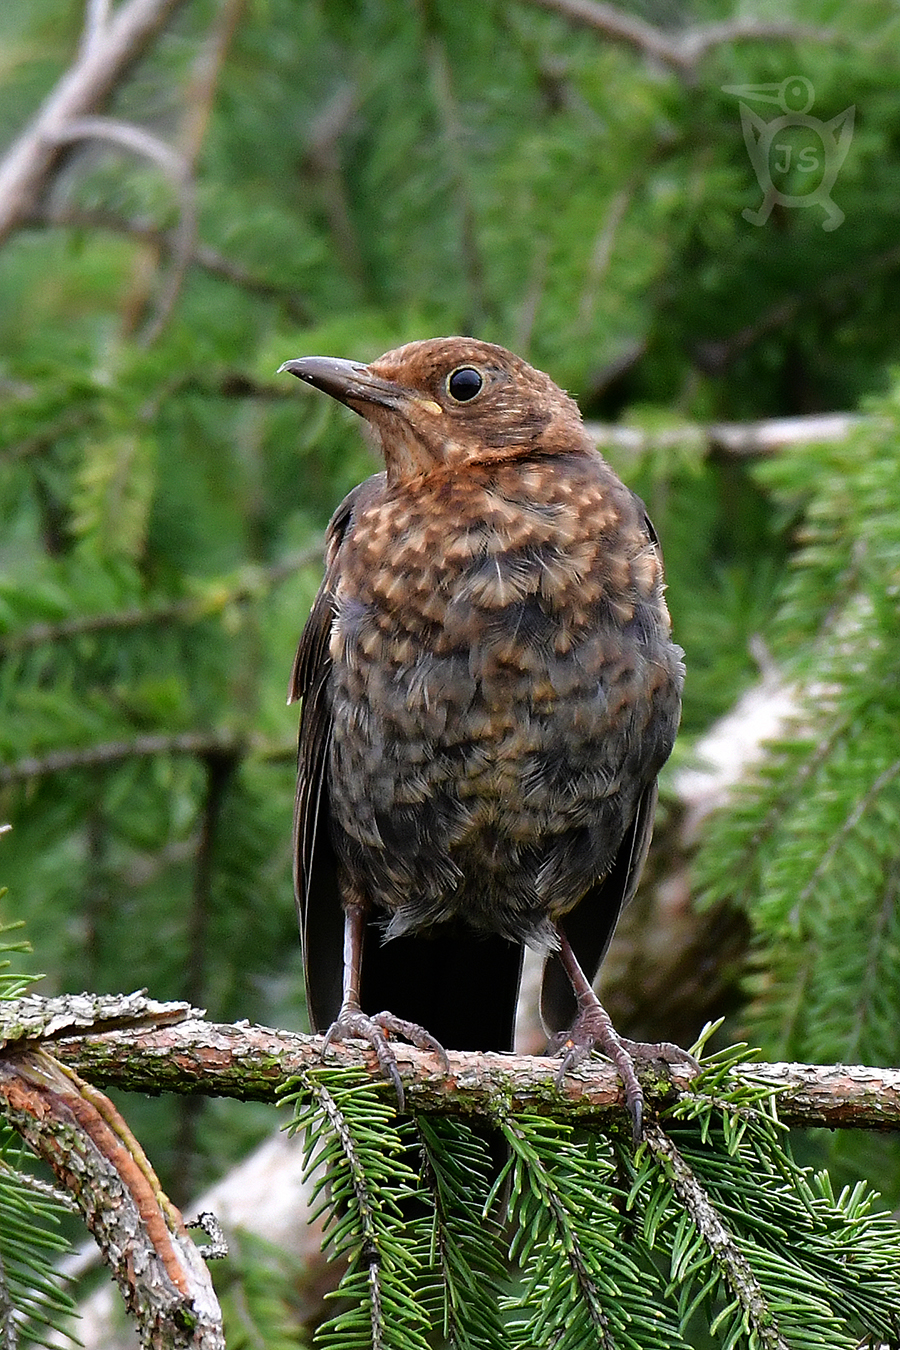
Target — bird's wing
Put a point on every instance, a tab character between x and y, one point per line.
591	924
648	524
315	866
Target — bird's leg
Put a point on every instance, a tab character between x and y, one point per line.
593	1028
352	1022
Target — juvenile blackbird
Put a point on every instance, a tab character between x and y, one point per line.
489	691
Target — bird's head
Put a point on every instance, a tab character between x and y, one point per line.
449	402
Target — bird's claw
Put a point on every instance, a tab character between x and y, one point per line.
665	1052
591	1030
356	1025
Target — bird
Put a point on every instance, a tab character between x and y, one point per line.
489	688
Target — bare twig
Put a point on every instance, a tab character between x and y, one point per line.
128	137
82	90
200	97
681	52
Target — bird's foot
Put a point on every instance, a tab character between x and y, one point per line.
356	1025
593	1029
664	1052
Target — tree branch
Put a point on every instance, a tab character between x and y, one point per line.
114	752
202	255
732	1262
681	52
733	439
252	583
94	1155
110	50
250	1062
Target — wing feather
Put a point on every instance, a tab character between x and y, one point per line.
315	866
591	924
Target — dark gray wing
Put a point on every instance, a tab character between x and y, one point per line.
315	865
591	924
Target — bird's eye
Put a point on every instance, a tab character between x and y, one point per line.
464	383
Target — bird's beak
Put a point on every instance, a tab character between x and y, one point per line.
349	382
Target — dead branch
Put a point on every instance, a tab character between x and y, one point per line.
681	52
95	1157
738	440
107	52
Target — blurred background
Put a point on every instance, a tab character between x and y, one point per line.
689	215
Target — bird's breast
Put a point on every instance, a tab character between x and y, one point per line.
526	584
502	673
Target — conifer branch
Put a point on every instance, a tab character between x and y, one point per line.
251	584
106	753
201	255
735	1267
250	1062
848	825
115	752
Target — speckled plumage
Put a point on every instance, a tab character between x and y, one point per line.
488	679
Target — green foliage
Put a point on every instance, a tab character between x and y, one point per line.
30	1244
351	1137
811	847
256	1287
709	1234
